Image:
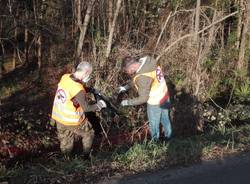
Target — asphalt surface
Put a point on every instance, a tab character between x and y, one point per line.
231	170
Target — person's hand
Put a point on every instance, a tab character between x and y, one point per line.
101	104
124	103
121	89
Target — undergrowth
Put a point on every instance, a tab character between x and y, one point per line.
144	156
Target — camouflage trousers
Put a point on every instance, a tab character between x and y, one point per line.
68	134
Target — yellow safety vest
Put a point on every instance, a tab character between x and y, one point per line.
64	110
159	90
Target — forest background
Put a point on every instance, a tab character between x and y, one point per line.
203	47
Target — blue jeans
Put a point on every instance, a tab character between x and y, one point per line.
157	115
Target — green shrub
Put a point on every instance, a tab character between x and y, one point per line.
243	91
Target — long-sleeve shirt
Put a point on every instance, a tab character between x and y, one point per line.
143	82
81	99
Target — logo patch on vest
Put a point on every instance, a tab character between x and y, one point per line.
61	95
159	74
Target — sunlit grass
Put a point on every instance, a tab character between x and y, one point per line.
143	156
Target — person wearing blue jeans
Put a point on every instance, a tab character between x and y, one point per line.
156	115
152	89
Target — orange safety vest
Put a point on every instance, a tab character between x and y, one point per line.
64	110
159	90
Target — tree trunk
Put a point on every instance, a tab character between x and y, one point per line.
110	14
2	60
124	18
104	17
39	41
93	37
83	27
240	23
191	30
14	47
79	12
242	65
222	31
118	5
2	48
212	35
222	37
129	15
39	51
143	26
248	20
26	38
197	21
73	20
36	21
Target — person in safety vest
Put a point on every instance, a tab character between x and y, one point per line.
69	109
150	83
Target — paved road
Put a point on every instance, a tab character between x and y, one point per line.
233	170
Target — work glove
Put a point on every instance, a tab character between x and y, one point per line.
121	89
124	103
100	104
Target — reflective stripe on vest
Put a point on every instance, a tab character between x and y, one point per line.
67	117
66	121
67	112
64	110
159	90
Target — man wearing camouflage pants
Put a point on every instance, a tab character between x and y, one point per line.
69	109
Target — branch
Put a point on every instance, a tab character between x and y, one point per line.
105	134
83	27
118	5
137	130
199	32
163	28
215	103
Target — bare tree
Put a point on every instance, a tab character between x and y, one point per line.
39	35
110	14
10	6
242	65
211	36
197	20
240	23
118	5
2	49
83	27
14	46
167	48
26	37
